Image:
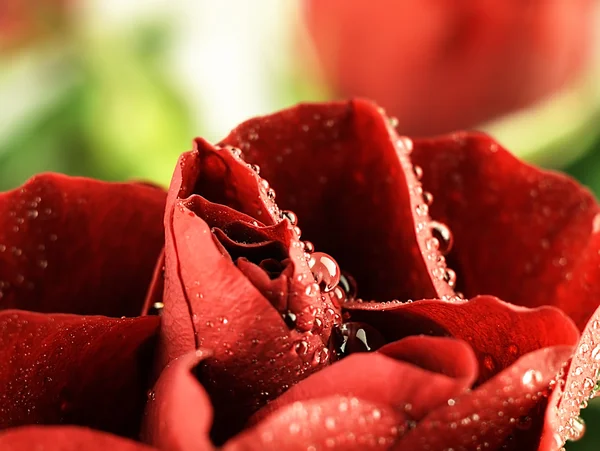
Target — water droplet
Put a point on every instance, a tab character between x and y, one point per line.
354	337
450	277
422	210
513	350
235	152
301	347
290	216
488	363
312	289
271	193
290	319
577	429
418	171
255	168
325	270
308	246
532	377
443	234
427	197
596	353
42	264
348	284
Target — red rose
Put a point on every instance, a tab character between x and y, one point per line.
263	341
473	60
23	20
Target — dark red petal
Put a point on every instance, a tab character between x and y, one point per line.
178	414
525	235
498	332
212	208
450	357
576	387
75	245
65	438
347	175
390	377
333	422
68	369
494	412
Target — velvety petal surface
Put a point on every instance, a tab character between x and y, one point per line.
525	235
65	438
334	422
505	412
68	369
178	413
498	332
393	376
75	245
265	334
347	175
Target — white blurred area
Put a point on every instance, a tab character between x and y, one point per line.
229	57
235	59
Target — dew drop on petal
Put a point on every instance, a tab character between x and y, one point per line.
418	170
531	377
355	337
443	234
290	216
325	270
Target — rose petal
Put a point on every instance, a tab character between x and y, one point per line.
213	205
334	422
64	438
525	235
444	65
390	377
450	357
576	387
495	413
498	332
84	370
347	175
178	414
75	245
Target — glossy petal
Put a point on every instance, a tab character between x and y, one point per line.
64	438
498	332
577	386
443	65
496	412
347	175
217	205
525	235
68	369
178	414
393	376
334	422
74	245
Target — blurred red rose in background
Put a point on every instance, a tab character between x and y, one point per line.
440	66
22	20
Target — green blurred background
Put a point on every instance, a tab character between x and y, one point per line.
117	89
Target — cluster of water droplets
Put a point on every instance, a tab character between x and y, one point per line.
579	383
30	215
436	235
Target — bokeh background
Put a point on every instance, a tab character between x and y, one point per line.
117	89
